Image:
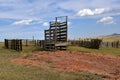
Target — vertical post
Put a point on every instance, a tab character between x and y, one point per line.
11	44
45	39
40	43
117	44
33	38
26	42
15	44
67	28
5	43
55	29
35	42
20	45
50	32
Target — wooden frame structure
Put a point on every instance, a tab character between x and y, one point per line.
56	35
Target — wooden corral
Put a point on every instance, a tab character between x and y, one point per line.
56	35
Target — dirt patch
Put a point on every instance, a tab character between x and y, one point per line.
106	65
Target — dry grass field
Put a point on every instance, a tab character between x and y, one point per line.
76	63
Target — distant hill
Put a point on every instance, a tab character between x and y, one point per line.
112	37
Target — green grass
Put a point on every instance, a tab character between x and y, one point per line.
109	51
25	49
13	71
31	48
4	50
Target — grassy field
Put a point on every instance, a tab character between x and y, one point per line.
107	51
110	39
12	71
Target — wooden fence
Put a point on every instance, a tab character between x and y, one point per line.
114	44
40	43
30	42
89	43
15	44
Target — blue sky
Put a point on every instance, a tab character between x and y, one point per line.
87	18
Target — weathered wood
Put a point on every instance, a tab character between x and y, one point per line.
14	44
56	34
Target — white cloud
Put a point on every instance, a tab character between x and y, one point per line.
107	20
69	23
35	9
45	24
101	10
89	12
22	22
85	12
81	4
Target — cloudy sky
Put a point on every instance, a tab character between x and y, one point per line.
87	18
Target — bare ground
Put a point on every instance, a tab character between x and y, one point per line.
106	65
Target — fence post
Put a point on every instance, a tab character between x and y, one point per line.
21	45
26	42
35	42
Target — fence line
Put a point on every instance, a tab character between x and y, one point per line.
30	42
16	44
89	43
114	44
